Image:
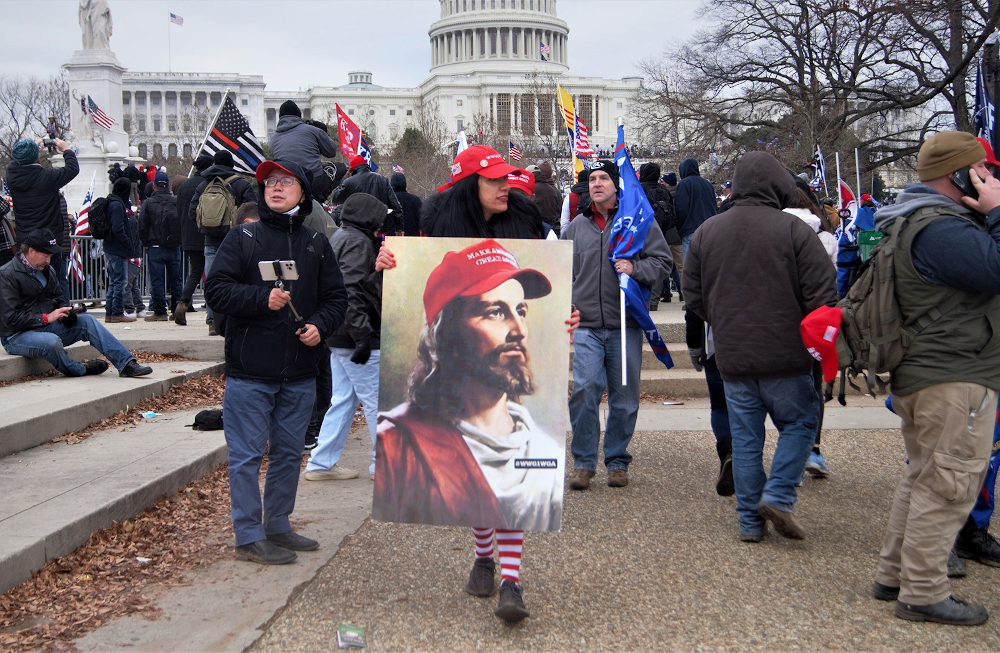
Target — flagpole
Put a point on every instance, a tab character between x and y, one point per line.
209	131
169	65
621	291
857	168
840	198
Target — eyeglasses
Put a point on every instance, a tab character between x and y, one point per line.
284	181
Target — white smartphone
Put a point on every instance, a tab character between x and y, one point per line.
275	270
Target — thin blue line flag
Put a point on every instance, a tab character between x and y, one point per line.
983	109
628	235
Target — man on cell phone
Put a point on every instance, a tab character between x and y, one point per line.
947	273
273	354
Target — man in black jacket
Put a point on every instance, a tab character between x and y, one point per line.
354	359
192	240
272	356
242	192
160	233
36	321
411	205
663	206
35	193
694	201
120	245
361	179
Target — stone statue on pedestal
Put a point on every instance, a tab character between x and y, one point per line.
95	23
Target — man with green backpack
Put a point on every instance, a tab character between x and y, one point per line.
945	267
214	205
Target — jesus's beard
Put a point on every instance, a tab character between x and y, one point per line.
512	377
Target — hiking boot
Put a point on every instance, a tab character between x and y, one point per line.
724	485
885	592
333	474
156	317
580	480
510	606
754	537
481	578
816	466
293	541
784	522
134	369
955	612
96	367
977	544
617	477
118	318
265	553
956	566
180	314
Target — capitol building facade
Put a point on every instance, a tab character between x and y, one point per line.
487	70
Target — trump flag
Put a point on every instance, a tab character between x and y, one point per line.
352	141
628	235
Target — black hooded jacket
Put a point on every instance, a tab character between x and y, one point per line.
262	344
694	200
192	240
411	205
355	245
35	191
363	180
659	197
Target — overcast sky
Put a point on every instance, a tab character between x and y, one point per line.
301	43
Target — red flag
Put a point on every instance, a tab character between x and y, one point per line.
348	133
846	196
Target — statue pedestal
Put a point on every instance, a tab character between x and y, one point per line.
98	74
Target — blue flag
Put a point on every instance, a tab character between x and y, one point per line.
983	109
366	152
627	237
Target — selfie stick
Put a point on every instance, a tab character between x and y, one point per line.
299	321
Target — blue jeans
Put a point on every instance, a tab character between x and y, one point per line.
686	244
210	251
597	365
352	383
48	342
164	264
793	406
719	415
133	296
117	277
256	414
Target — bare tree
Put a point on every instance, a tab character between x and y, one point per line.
27	105
425	149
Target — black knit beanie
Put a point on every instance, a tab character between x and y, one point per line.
289	108
607	166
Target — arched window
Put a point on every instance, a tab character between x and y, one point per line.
157	151
172	150
188	150
142	150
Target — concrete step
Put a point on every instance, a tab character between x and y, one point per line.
18	367
678	352
37	411
674	382
55	496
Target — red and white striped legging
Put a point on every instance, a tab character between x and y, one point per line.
510	544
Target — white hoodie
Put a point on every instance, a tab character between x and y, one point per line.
829	240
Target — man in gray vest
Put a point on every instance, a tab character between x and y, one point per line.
945	388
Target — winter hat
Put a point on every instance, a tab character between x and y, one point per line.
546	169
122	188
819	333
522	181
397	181
609	167
161	180
25	151
358	160
203	163
533	169
147	189
477	269
581	177
289	108
945	152
670	178
223	158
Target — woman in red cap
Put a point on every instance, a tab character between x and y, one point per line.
477	203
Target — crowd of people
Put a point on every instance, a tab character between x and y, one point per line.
301	358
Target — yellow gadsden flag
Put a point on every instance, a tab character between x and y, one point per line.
569	122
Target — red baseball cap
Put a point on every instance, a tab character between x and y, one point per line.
475	270
819	333
522	180
478	160
266	167
990	158
358	160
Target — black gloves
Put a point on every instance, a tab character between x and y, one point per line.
697	358
69	320
362	351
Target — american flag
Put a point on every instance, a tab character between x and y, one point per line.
514	152
582	142
176	20
546	51
232	132
397	168
99	116
5	191
82	229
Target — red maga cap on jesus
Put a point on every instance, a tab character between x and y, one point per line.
475	270
819	333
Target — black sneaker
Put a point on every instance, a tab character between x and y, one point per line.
481	578
977	544
955	612
724	485
96	366
510	606
956	566
293	541
885	592
134	369
265	553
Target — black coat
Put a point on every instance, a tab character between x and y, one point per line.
262	344
366	181
192	240
35	191
355	245
152	213
243	191
124	238
411	212
23	300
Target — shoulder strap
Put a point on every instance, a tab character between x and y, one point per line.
248	243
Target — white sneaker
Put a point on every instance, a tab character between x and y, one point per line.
132	314
333	474
143	314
